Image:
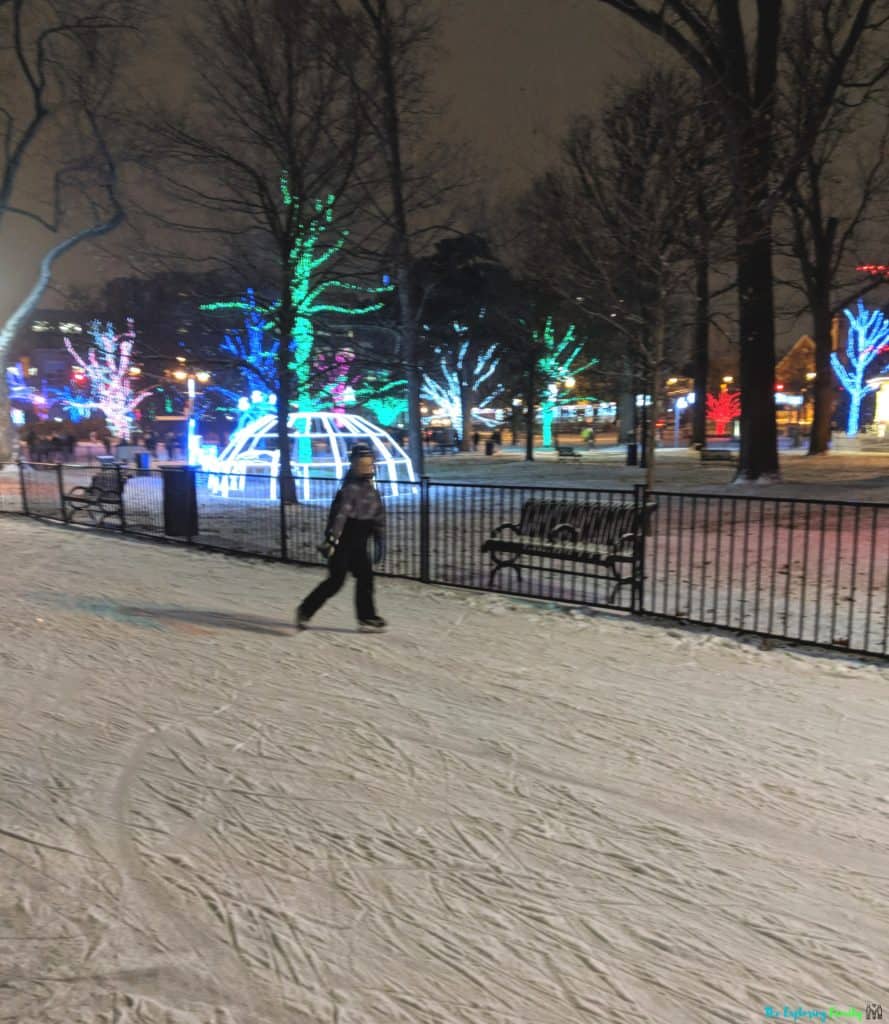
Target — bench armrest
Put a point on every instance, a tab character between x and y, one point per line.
505	526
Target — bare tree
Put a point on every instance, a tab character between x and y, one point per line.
738	64
840	194
61	144
614	230
396	39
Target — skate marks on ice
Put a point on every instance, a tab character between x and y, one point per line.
495	815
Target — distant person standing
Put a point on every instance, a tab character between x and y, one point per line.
476	440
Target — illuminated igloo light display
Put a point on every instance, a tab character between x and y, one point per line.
320	443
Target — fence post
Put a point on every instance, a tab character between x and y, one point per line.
424	529
282	516
121	482
61	491
640	499
24	488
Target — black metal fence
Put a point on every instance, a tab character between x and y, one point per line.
805	570
797	569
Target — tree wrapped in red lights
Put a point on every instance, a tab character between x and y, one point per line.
723	408
107	368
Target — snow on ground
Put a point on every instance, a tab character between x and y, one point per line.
838	476
495	813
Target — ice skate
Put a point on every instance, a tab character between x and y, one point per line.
373	625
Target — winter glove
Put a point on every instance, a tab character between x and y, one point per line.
328	547
379	549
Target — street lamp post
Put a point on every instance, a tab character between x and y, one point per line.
191	377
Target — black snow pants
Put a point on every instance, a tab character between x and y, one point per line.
350	557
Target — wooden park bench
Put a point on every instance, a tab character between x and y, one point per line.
719	455
566	451
598	536
101	500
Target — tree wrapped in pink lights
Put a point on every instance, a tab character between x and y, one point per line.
107	368
336	371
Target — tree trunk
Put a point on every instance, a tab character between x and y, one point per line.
286	482
529	415
408	334
701	351
819	437
380	20
7	430
653	384
466	403
756	322
626	405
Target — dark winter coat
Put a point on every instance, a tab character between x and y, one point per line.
357	499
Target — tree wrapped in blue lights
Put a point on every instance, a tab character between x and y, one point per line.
868	338
456	385
254	353
557	367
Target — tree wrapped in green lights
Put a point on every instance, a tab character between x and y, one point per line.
384	396
557	367
307	297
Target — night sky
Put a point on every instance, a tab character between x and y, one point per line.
513	72
518	69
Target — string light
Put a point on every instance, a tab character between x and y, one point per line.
107	368
874	269
327	437
868	337
555	368
447	392
723	408
309	254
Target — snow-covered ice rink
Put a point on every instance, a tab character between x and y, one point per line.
495	813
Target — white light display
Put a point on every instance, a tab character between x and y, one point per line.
329	436
107	367
447	391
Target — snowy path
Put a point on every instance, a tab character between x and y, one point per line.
494	814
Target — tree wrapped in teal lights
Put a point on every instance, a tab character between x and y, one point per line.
308	289
307	297
557	368
868	338
384	399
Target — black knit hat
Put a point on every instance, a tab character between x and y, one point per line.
360	451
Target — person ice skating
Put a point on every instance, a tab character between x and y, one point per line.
356	516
